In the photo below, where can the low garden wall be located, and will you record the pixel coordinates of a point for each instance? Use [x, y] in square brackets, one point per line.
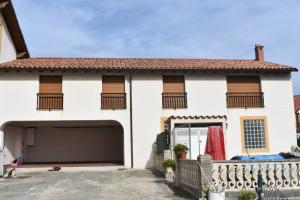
[194, 176]
[199, 176]
[236, 175]
[159, 158]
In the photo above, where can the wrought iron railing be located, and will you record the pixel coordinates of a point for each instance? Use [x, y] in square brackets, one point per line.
[174, 100]
[50, 101]
[245, 99]
[113, 100]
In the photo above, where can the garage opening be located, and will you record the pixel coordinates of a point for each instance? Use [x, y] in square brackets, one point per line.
[64, 142]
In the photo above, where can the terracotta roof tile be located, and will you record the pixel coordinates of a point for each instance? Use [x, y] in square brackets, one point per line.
[198, 117]
[297, 102]
[144, 64]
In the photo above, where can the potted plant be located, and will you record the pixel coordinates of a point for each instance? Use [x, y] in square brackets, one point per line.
[247, 195]
[216, 193]
[169, 166]
[181, 151]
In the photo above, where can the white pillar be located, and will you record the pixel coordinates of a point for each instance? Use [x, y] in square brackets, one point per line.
[1, 152]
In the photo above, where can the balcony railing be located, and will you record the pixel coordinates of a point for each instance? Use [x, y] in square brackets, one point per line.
[174, 100]
[243, 100]
[113, 100]
[50, 101]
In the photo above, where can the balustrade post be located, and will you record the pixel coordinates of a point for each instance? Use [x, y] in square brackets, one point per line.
[177, 172]
[205, 172]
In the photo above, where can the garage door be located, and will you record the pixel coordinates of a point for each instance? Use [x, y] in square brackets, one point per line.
[69, 144]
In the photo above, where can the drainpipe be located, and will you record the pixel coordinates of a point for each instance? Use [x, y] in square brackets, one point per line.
[1, 152]
[130, 110]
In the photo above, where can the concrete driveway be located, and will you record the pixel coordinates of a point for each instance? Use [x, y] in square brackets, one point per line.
[76, 185]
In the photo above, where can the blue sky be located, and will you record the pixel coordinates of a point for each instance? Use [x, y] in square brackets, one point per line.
[163, 28]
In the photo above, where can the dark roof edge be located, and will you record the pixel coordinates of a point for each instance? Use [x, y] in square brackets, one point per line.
[13, 26]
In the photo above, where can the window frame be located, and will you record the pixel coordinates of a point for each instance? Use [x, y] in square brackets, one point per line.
[256, 150]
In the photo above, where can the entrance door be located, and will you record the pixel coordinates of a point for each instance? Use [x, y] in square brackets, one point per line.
[194, 138]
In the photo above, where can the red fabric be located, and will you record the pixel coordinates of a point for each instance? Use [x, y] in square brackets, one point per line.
[215, 143]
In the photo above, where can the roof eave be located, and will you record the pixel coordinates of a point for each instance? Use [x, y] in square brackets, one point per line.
[13, 26]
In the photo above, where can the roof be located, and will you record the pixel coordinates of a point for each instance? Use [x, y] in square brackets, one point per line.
[14, 29]
[297, 102]
[145, 64]
[198, 117]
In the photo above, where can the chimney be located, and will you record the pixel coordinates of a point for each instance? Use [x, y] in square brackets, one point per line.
[259, 52]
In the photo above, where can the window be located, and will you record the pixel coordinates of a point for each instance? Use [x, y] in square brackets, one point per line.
[113, 94]
[254, 134]
[174, 95]
[50, 94]
[244, 91]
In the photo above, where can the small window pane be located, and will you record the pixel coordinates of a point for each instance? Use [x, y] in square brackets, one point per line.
[254, 134]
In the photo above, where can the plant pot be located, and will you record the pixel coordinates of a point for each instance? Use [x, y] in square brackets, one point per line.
[216, 195]
[182, 155]
[169, 174]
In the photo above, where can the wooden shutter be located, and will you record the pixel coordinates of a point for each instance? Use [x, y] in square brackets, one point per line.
[244, 84]
[113, 84]
[173, 84]
[50, 84]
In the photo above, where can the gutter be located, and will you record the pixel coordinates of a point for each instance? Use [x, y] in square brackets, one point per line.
[131, 126]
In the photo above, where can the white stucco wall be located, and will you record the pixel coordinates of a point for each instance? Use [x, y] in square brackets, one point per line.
[81, 101]
[206, 95]
[7, 48]
[13, 143]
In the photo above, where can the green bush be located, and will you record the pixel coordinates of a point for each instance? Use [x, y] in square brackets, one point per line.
[169, 163]
[247, 195]
[180, 148]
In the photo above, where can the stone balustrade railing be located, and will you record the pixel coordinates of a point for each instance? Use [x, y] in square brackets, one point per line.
[236, 175]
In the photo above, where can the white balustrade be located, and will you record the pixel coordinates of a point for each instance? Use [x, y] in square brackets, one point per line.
[236, 175]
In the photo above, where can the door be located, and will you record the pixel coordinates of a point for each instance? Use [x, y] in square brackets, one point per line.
[193, 138]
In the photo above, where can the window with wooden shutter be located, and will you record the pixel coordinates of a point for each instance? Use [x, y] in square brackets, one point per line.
[113, 84]
[174, 95]
[173, 84]
[113, 92]
[50, 94]
[244, 91]
[50, 84]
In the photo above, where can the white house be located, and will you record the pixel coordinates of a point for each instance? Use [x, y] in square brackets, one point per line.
[110, 110]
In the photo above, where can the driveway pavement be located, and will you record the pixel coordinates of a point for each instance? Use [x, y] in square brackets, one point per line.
[87, 185]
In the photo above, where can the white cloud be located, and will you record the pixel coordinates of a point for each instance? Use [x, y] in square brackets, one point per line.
[162, 28]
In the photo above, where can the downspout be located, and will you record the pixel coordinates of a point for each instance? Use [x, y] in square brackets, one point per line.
[1, 152]
[130, 110]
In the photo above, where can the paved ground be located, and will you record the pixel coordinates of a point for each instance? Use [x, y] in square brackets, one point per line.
[87, 185]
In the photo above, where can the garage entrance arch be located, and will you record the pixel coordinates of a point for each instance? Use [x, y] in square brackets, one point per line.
[38, 142]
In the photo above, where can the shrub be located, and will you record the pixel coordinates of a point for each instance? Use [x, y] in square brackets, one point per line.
[180, 148]
[169, 163]
[247, 195]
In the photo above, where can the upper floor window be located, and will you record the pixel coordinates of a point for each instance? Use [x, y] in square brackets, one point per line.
[113, 94]
[254, 134]
[174, 95]
[50, 94]
[244, 91]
